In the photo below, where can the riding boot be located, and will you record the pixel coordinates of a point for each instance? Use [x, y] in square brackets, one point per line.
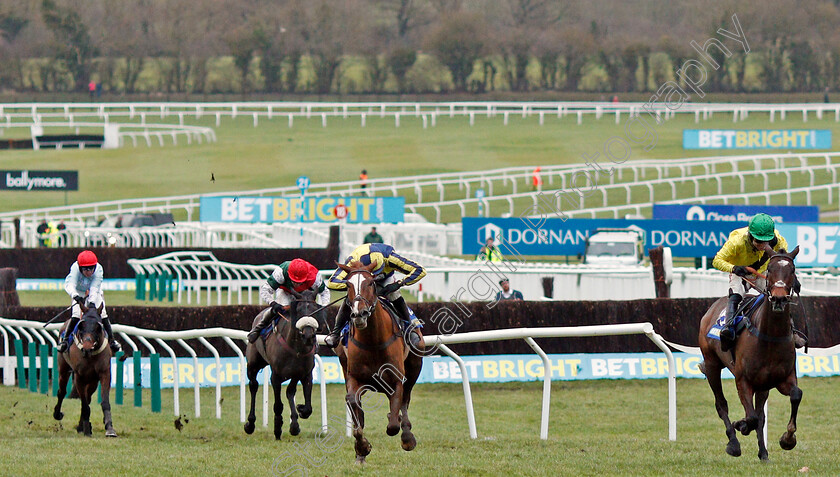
[402, 307]
[727, 334]
[63, 344]
[265, 321]
[115, 346]
[341, 319]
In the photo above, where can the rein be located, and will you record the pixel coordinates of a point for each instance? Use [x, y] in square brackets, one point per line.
[750, 325]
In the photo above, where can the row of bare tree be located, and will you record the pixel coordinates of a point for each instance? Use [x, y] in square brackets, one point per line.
[279, 46]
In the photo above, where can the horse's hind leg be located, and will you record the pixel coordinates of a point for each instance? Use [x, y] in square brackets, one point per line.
[788, 439]
[253, 386]
[746, 393]
[63, 377]
[105, 384]
[291, 389]
[733, 447]
[760, 399]
[409, 442]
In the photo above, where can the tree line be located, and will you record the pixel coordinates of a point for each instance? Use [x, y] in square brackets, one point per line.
[409, 46]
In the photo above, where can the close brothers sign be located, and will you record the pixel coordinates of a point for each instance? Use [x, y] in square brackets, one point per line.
[27, 180]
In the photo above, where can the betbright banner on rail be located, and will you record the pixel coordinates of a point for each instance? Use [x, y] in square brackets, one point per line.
[302, 209]
[493, 368]
[757, 139]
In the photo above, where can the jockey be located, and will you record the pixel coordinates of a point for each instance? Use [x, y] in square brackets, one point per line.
[746, 247]
[297, 275]
[84, 285]
[387, 261]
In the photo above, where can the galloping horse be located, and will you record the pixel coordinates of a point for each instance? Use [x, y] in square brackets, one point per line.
[763, 358]
[376, 358]
[89, 358]
[290, 350]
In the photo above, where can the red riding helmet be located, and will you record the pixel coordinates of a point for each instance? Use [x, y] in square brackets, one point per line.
[86, 259]
[299, 270]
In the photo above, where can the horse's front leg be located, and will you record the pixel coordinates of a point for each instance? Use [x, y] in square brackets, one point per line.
[305, 410]
[395, 400]
[760, 399]
[276, 384]
[253, 387]
[733, 447]
[291, 389]
[105, 385]
[788, 439]
[85, 393]
[353, 399]
[746, 393]
[63, 377]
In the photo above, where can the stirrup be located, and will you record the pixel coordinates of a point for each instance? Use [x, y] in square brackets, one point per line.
[115, 346]
[62, 346]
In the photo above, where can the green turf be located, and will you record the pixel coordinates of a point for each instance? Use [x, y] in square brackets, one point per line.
[273, 155]
[596, 428]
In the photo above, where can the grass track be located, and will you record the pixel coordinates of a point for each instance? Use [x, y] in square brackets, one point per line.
[597, 428]
[273, 155]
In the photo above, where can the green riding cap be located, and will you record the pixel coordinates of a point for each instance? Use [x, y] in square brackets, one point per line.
[762, 227]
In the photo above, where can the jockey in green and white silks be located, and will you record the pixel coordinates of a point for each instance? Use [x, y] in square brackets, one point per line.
[297, 275]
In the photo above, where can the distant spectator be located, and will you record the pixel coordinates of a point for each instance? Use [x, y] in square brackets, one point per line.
[62, 234]
[489, 252]
[363, 181]
[506, 293]
[43, 233]
[92, 89]
[825, 98]
[53, 234]
[536, 179]
[615, 98]
[373, 237]
[98, 90]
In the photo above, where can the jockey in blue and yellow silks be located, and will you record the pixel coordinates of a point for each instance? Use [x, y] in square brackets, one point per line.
[387, 262]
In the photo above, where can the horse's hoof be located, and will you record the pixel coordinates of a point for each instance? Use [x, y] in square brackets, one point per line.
[360, 460]
[303, 411]
[110, 433]
[58, 415]
[742, 427]
[408, 441]
[277, 436]
[392, 430]
[294, 429]
[249, 428]
[789, 443]
[764, 456]
[734, 448]
[362, 448]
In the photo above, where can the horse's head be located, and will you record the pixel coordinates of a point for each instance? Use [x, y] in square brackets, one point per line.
[781, 276]
[302, 309]
[361, 292]
[90, 335]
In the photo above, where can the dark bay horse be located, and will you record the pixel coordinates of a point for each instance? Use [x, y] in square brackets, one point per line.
[290, 350]
[764, 358]
[89, 359]
[376, 358]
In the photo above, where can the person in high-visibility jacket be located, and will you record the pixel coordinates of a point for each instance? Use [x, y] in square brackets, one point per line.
[746, 247]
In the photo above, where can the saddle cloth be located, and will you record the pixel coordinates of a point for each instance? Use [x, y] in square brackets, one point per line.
[745, 310]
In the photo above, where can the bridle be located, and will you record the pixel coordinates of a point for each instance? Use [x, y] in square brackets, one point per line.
[368, 306]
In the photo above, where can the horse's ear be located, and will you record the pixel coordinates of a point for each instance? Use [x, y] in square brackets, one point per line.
[370, 268]
[344, 267]
[794, 252]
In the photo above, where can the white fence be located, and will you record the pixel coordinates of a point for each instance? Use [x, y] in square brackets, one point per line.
[32, 331]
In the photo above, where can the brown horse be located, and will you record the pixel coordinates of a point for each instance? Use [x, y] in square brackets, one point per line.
[376, 358]
[89, 358]
[290, 350]
[763, 358]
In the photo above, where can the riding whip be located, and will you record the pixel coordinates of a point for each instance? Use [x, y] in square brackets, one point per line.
[56, 317]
